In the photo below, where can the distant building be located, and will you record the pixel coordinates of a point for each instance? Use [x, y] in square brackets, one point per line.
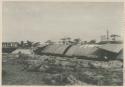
[9, 44]
[111, 40]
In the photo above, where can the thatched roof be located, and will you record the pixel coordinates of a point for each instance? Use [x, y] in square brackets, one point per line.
[84, 50]
[114, 48]
[41, 45]
[120, 55]
[55, 49]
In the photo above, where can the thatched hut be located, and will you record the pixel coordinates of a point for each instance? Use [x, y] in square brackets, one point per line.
[110, 51]
[55, 49]
[120, 55]
[83, 51]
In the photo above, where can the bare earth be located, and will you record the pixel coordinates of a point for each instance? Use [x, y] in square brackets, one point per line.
[75, 73]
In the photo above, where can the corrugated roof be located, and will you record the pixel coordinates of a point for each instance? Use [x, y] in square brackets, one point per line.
[115, 48]
[55, 49]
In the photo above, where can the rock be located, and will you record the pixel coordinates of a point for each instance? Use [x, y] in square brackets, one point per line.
[43, 68]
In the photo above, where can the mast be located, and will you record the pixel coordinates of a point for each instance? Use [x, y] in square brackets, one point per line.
[107, 35]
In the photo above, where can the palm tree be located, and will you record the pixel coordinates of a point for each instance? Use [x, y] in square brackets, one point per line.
[77, 41]
[29, 44]
[66, 40]
[63, 40]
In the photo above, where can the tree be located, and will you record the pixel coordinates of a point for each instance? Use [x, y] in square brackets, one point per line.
[21, 44]
[83, 42]
[92, 42]
[63, 40]
[77, 41]
[66, 40]
[36, 44]
[49, 42]
[29, 44]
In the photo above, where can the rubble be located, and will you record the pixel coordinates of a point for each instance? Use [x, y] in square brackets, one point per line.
[72, 71]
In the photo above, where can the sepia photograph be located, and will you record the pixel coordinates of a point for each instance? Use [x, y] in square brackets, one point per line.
[59, 43]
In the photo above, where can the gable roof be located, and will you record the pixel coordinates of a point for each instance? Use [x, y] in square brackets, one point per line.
[55, 49]
[83, 50]
[120, 55]
[115, 48]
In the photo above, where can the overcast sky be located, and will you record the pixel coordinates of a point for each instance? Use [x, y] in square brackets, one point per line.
[40, 21]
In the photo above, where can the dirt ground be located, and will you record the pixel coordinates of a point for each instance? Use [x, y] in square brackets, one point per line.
[13, 73]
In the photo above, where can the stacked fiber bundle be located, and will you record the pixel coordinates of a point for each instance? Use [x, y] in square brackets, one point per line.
[58, 49]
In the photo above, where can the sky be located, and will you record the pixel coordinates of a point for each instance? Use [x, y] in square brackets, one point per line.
[42, 21]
